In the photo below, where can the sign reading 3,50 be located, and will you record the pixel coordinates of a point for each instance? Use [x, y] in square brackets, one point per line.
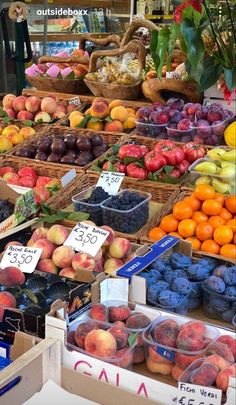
[23, 257]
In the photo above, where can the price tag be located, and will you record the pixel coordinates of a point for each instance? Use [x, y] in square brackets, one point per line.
[75, 101]
[110, 182]
[25, 258]
[86, 238]
[191, 394]
[68, 177]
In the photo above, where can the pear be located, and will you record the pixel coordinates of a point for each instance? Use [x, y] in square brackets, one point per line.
[221, 187]
[215, 154]
[229, 156]
[203, 180]
[228, 173]
[206, 167]
[227, 164]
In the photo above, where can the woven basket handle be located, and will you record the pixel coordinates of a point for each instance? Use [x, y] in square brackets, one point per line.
[134, 46]
[70, 59]
[110, 39]
[134, 26]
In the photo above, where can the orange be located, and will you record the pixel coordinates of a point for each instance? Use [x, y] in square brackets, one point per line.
[199, 216]
[187, 228]
[223, 234]
[235, 238]
[228, 250]
[210, 246]
[211, 207]
[204, 192]
[232, 224]
[182, 210]
[204, 231]
[169, 223]
[194, 202]
[156, 233]
[216, 221]
[220, 197]
[196, 244]
[176, 235]
[226, 214]
[230, 203]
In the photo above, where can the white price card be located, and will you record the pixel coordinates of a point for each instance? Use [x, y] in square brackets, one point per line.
[68, 177]
[191, 394]
[86, 238]
[75, 101]
[110, 182]
[23, 257]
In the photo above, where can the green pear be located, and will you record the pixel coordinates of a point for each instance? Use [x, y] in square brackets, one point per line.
[221, 187]
[215, 154]
[229, 156]
[228, 172]
[227, 164]
[203, 180]
[206, 167]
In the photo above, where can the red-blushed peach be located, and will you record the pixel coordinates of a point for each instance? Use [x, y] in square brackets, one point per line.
[114, 126]
[62, 256]
[110, 237]
[81, 332]
[190, 340]
[10, 276]
[83, 261]
[67, 272]
[30, 243]
[48, 105]
[7, 101]
[25, 115]
[13, 243]
[206, 341]
[7, 300]
[119, 323]
[120, 335]
[154, 356]
[139, 355]
[57, 234]
[100, 343]
[222, 379]
[176, 372]
[33, 104]
[204, 375]
[120, 313]
[184, 360]
[47, 246]
[126, 358]
[48, 266]
[99, 312]
[218, 361]
[120, 248]
[98, 255]
[198, 326]
[111, 265]
[166, 332]
[99, 109]
[228, 341]
[159, 368]
[221, 349]
[88, 222]
[138, 321]
[101, 100]
[18, 103]
[39, 233]
[98, 266]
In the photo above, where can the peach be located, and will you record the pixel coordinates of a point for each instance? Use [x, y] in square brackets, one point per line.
[30, 243]
[158, 368]
[41, 194]
[16, 139]
[5, 144]
[76, 120]
[98, 266]
[130, 123]
[100, 100]
[139, 355]
[10, 130]
[7, 101]
[61, 108]
[114, 126]
[206, 341]
[130, 257]
[98, 255]
[71, 107]
[24, 115]
[116, 103]
[10, 112]
[157, 357]
[10, 177]
[198, 326]
[48, 105]
[81, 332]
[13, 243]
[222, 350]
[119, 113]
[184, 360]
[57, 115]
[100, 343]
[10, 276]
[230, 342]
[54, 97]
[120, 313]
[47, 266]
[218, 361]
[62, 256]
[95, 125]
[18, 103]
[119, 323]
[176, 372]
[89, 223]
[33, 104]
[42, 117]
[120, 335]
[99, 312]
[190, 340]
[47, 246]
[26, 132]
[83, 261]
[120, 248]
[7, 300]
[166, 332]
[131, 111]
[110, 237]
[39, 233]
[126, 358]
[99, 109]
[57, 234]
[222, 379]
[138, 321]
[67, 272]
[204, 375]
[88, 111]
[111, 265]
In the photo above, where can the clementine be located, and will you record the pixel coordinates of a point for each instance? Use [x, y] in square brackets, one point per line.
[199, 216]
[223, 234]
[176, 235]
[210, 246]
[157, 233]
[211, 207]
[194, 202]
[182, 210]
[204, 192]
[228, 250]
[232, 224]
[187, 228]
[216, 221]
[169, 223]
[220, 197]
[226, 214]
[230, 203]
[204, 231]
[196, 244]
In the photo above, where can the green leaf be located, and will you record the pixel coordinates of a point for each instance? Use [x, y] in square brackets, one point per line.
[84, 122]
[71, 76]
[154, 41]
[6, 120]
[195, 44]
[28, 123]
[168, 169]
[211, 73]
[162, 46]
[59, 76]
[93, 119]
[30, 295]
[230, 78]
[108, 119]
[140, 164]
[53, 218]
[3, 113]
[129, 159]
[40, 121]
[174, 34]
[115, 148]
[132, 339]
[45, 209]
[187, 13]
[78, 216]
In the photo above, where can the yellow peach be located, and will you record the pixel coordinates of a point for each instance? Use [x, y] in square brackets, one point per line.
[119, 113]
[95, 125]
[26, 132]
[130, 123]
[17, 138]
[116, 103]
[76, 120]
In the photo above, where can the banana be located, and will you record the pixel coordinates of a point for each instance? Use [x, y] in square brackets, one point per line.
[206, 167]
[221, 187]
[229, 156]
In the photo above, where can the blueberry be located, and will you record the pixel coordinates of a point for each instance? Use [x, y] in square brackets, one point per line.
[215, 284]
[180, 261]
[181, 286]
[229, 276]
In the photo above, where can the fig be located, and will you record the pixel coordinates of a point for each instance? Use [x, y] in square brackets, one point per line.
[54, 157]
[70, 141]
[67, 159]
[84, 144]
[99, 150]
[58, 147]
[96, 139]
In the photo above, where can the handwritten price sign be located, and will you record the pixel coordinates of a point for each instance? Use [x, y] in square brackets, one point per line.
[75, 101]
[191, 394]
[110, 182]
[25, 258]
[86, 238]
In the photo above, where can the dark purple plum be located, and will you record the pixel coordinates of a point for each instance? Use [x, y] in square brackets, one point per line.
[70, 141]
[54, 157]
[40, 155]
[96, 139]
[84, 144]
[58, 147]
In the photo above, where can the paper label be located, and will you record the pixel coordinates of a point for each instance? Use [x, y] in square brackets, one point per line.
[110, 182]
[86, 238]
[114, 289]
[75, 101]
[68, 177]
[23, 257]
[190, 394]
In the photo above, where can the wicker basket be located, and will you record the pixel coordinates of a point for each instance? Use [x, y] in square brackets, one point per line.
[76, 86]
[118, 91]
[160, 195]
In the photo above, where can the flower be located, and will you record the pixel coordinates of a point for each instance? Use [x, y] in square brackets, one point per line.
[228, 95]
[178, 13]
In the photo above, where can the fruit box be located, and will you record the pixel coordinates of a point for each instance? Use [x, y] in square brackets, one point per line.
[24, 207]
